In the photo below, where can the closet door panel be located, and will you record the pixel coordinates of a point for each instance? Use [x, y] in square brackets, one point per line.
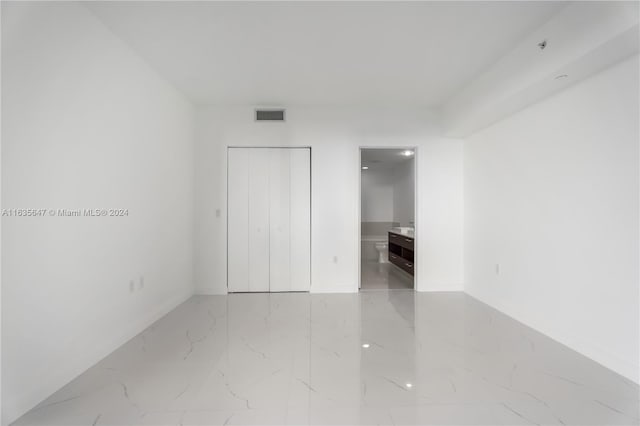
[300, 205]
[279, 210]
[258, 255]
[238, 219]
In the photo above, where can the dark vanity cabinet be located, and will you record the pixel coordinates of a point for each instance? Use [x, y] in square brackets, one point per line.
[401, 251]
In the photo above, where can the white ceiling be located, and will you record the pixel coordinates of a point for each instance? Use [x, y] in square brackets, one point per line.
[322, 53]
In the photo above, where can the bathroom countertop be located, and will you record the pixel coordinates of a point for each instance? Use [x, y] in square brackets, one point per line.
[408, 234]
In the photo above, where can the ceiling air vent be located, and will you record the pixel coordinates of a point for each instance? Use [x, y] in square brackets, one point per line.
[269, 114]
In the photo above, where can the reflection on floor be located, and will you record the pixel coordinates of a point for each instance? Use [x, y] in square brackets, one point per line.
[375, 275]
[378, 357]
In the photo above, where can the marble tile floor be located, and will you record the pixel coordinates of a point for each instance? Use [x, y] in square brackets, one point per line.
[383, 276]
[373, 358]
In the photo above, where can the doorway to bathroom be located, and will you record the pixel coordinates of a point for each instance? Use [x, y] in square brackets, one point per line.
[387, 218]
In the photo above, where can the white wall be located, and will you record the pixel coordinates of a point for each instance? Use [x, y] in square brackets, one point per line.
[335, 136]
[86, 124]
[551, 194]
[404, 192]
[377, 195]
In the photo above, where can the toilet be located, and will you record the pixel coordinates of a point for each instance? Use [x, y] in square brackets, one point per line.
[383, 252]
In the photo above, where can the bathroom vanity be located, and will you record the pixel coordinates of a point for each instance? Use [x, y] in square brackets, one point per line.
[401, 248]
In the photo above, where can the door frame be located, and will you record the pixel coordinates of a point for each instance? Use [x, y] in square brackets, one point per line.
[226, 198]
[416, 243]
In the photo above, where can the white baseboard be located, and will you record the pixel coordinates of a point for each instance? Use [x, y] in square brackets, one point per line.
[440, 287]
[328, 290]
[217, 292]
[210, 291]
[17, 405]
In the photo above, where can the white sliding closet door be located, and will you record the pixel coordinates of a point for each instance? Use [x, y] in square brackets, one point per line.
[238, 219]
[300, 222]
[258, 254]
[269, 219]
[280, 220]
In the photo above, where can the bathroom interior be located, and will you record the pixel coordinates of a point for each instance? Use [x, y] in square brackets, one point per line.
[387, 218]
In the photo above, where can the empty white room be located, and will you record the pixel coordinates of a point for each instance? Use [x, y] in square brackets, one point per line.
[320, 213]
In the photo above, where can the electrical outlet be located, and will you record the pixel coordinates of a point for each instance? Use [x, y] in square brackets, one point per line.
[141, 282]
[132, 286]
[335, 259]
[497, 269]
[218, 212]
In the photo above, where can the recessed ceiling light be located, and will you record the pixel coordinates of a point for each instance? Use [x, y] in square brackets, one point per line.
[409, 385]
[407, 153]
[365, 168]
[365, 345]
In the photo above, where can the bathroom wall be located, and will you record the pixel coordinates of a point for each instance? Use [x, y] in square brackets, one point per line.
[387, 197]
[377, 207]
[377, 195]
[404, 193]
